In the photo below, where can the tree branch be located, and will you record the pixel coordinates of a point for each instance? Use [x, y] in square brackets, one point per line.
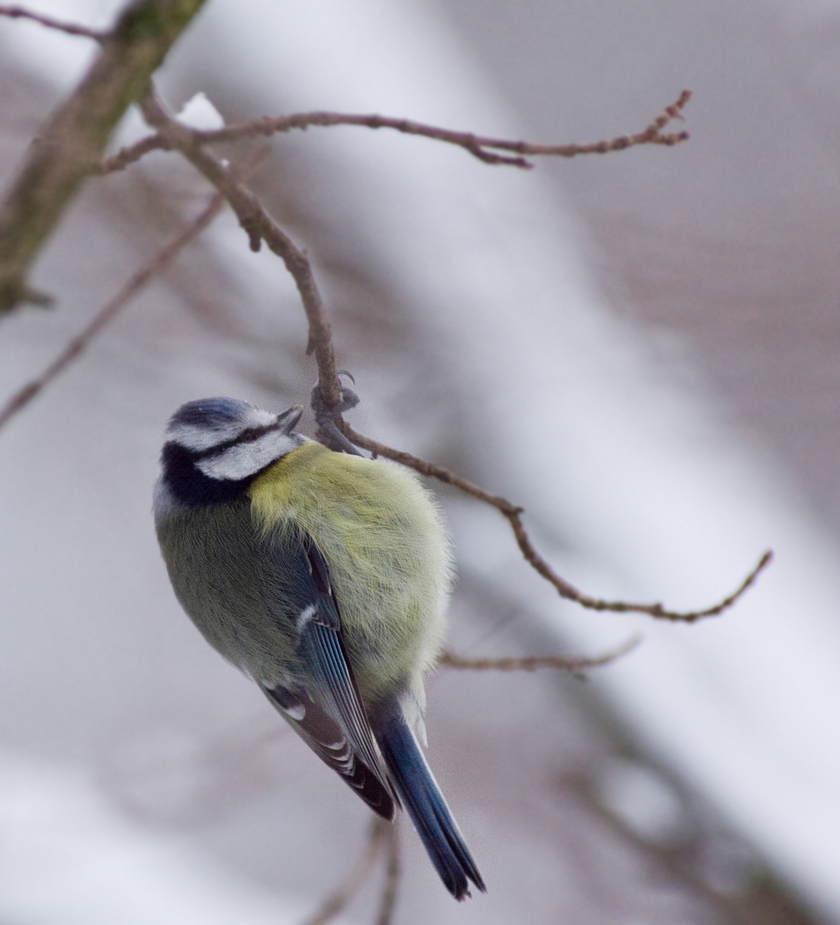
[393, 871]
[338, 901]
[484, 148]
[74, 137]
[18, 12]
[259, 226]
[577, 666]
[513, 514]
[105, 315]
[173, 135]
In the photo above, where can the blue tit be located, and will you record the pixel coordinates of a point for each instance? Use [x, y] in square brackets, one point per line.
[324, 577]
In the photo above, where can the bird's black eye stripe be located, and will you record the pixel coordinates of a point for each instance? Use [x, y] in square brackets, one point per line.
[250, 435]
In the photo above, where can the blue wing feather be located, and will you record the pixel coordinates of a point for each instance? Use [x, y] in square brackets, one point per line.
[327, 712]
[337, 692]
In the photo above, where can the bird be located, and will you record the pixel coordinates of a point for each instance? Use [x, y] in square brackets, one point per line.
[324, 577]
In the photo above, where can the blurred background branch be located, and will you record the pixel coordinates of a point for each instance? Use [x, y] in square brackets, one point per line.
[76, 134]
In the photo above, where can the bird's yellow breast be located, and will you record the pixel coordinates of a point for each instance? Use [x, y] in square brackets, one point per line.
[385, 546]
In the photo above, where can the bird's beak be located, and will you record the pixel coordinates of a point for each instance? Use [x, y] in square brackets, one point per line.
[287, 420]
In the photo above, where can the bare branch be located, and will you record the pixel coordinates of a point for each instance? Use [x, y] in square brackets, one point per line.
[513, 513]
[125, 157]
[479, 146]
[18, 12]
[338, 901]
[592, 603]
[74, 137]
[81, 341]
[577, 666]
[388, 900]
[484, 148]
[259, 226]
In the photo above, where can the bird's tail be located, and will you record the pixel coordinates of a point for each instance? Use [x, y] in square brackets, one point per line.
[421, 797]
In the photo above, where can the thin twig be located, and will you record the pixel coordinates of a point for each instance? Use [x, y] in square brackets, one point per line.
[343, 895]
[259, 226]
[577, 666]
[18, 12]
[388, 899]
[129, 155]
[482, 147]
[676, 858]
[513, 514]
[108, 312]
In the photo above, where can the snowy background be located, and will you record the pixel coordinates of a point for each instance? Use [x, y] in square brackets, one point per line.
[641, 349]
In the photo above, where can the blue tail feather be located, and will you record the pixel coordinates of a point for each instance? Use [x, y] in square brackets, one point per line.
[422, 799]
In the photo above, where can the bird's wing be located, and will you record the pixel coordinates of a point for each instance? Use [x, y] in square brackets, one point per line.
[329, 742]
[329, 715]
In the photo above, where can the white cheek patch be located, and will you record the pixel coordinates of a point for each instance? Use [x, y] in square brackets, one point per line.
[244, 459]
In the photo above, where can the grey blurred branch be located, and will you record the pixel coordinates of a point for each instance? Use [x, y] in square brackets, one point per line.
[382, 836]
[338, 901]
[19, 12]
[575, 666]
[75, 135]
[108, 312]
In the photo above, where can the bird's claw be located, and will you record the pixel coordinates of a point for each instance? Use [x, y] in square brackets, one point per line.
[326, 417]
